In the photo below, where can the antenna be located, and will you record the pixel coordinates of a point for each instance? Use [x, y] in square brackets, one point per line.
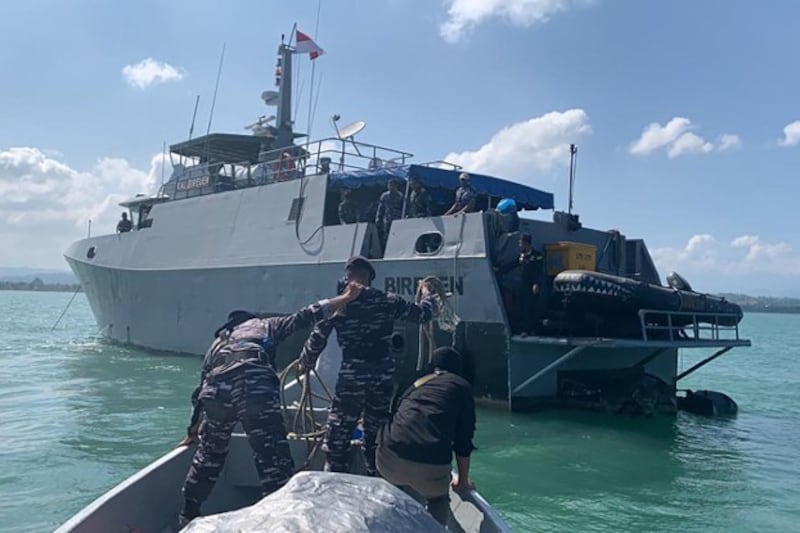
[163, 162]
[316, 99]
[313, 69]
[573, 163]
[216, 86]
[194, 116]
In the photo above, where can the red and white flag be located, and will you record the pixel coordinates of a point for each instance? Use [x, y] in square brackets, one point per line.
[306, 45]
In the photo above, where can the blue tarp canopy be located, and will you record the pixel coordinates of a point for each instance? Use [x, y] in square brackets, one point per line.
[438, 178]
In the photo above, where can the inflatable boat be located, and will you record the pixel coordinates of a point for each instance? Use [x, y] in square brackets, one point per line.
[609, 299]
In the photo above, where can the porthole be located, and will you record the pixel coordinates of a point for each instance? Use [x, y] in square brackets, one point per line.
[90, 253]
[429, 243]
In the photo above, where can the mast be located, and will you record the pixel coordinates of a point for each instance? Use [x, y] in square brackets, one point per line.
[573, 160]
[283, 79]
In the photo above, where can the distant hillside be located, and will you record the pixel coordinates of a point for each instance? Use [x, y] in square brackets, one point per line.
[764, 304]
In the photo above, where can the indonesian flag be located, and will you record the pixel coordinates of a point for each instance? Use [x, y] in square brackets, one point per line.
[306, 45]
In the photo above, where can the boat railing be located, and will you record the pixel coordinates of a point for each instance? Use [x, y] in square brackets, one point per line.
[344, 155]
[692, 326]
[332, 154]
[441, 163]
[194, 178]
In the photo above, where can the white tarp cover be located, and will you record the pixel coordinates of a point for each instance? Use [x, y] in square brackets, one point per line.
[326, 502]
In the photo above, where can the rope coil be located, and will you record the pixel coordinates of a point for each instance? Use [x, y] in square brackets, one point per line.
[303, 425]
[446, 319]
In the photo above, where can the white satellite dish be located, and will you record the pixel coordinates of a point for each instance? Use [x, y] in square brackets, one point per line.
[351, 129]
[271, 97]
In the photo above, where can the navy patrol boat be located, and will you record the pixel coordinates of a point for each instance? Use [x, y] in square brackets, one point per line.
[250, 222]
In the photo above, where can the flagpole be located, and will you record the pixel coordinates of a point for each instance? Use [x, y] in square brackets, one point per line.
[313, 69]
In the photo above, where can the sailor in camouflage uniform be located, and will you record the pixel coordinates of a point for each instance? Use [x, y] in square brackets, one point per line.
[466, 196]
[238, 384]
[419, 201]
[365, 385]
[390, 208]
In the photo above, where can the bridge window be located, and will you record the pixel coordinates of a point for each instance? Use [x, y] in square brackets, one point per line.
[429, 243]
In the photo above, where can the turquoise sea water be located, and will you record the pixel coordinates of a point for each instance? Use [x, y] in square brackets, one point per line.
[78, 415]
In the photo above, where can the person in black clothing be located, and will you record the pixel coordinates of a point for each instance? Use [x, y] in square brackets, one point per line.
[124, 225]
[434, 418]
[531, 264]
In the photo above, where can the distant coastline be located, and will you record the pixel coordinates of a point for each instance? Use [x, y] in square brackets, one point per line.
[749, 304]
[764, 304]
[37, 285]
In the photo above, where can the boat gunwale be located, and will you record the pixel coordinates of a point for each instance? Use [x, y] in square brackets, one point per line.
[119, 488]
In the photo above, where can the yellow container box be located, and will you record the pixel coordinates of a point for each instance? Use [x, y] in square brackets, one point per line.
[562, 256]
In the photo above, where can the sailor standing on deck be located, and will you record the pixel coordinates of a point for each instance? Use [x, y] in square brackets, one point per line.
[419, 201]
[238, 384]
[466, 196]
[390, 208]
[528, 303]
[124, 225]
[365, 384]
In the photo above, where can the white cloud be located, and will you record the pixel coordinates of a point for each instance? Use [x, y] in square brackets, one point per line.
[678, 139]
[463, 15]
[655, 135]
[537, 143]
[728, 141]
[791, 134]
[758, 251]
[744, 241]
[689, 143]
[745, 255]
[149, 72]
[45, 204]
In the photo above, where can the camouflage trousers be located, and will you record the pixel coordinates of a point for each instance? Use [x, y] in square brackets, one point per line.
[250, 395]
[364, 388]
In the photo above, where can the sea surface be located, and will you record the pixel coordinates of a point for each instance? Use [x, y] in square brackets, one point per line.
[78, 415]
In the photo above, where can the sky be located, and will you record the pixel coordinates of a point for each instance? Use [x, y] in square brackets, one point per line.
[685, 113]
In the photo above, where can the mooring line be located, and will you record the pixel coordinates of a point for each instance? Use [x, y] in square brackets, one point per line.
[74, 294]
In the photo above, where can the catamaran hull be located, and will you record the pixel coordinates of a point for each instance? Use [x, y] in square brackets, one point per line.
[177, 311]
[168, 286]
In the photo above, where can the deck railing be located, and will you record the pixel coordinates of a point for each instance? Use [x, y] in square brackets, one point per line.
[284, 164]
[700, 326]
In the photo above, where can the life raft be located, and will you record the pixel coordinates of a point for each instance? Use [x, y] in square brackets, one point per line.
[598, 293]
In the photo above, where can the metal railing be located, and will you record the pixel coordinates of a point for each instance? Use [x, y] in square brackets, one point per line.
[342, 155]
[709, 328]
[283, 164]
